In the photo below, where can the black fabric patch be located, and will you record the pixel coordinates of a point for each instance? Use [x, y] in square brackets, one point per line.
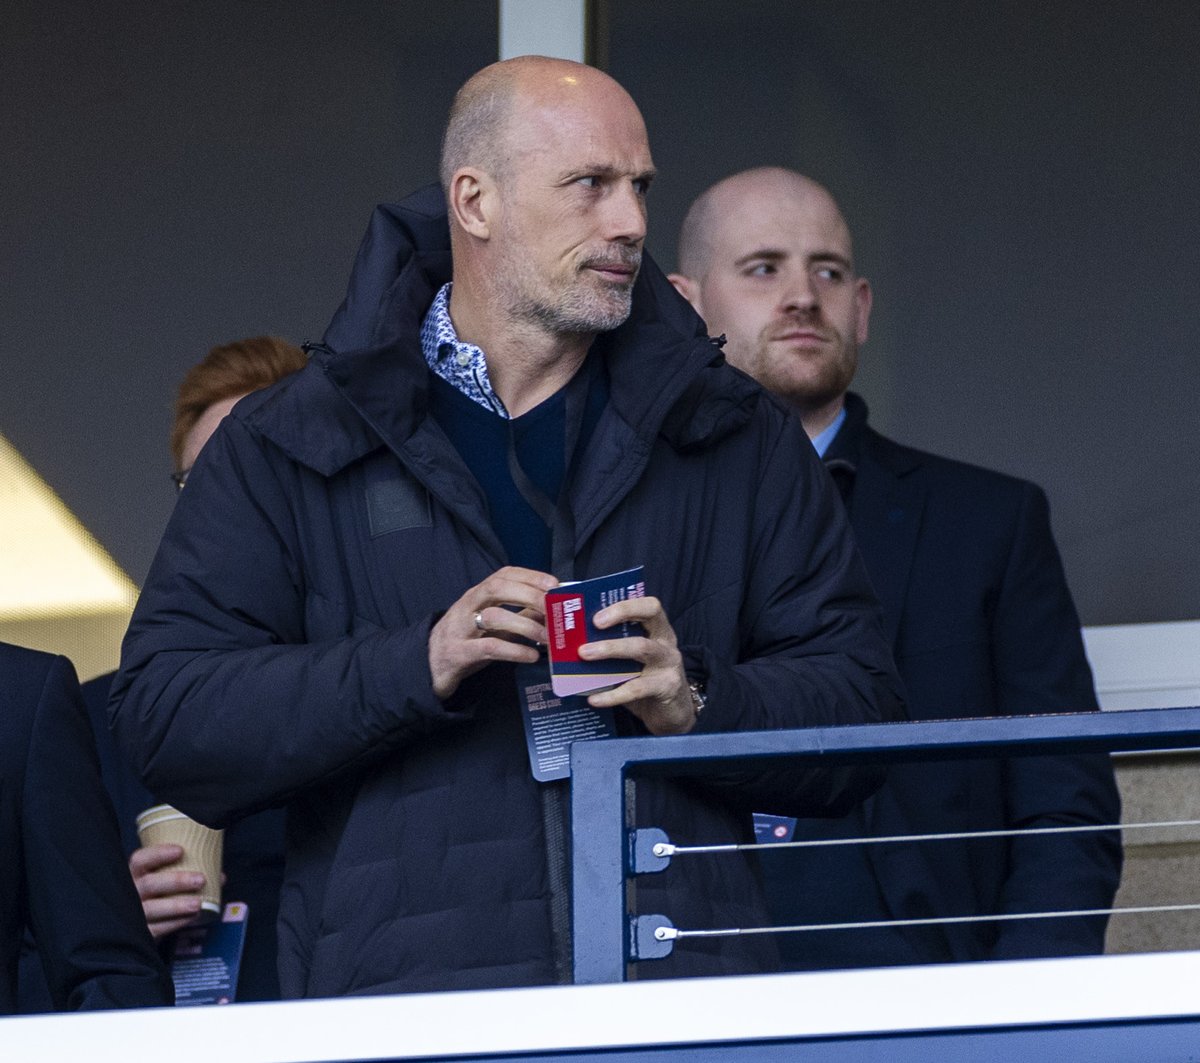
[396, 503]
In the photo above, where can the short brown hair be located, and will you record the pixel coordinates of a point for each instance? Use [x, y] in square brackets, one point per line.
[232, 369]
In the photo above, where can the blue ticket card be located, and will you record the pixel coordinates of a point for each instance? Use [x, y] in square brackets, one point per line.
[768, 829]
[205, 959]
[553, 723]
[570, 608]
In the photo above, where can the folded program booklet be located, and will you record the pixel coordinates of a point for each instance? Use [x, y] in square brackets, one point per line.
[570, 608]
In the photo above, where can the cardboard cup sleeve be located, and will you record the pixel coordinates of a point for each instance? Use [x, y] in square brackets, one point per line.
[202, 850]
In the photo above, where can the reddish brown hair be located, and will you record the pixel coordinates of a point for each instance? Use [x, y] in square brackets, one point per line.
[232, 369]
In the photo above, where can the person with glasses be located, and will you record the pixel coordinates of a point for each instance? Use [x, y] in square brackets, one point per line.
[216, 384]
[253, 846]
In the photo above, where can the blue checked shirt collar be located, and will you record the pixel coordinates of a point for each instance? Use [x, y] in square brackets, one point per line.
[461, 365]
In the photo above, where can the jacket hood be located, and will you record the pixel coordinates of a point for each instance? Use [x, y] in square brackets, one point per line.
[666, 375]
[394, 234]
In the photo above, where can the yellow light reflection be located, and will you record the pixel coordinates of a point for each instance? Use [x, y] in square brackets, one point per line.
[59, 589]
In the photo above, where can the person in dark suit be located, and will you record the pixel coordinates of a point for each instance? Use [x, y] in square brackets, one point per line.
[976, 607]
[62, 874]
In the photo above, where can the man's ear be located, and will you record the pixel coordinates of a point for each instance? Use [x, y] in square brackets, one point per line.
[862, 307]
[688, 288]
[470, 201]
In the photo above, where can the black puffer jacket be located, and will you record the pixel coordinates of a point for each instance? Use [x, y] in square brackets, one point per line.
[279, 652]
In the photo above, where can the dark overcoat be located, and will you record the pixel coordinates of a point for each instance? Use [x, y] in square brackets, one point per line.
[982, 623]
[62, 871]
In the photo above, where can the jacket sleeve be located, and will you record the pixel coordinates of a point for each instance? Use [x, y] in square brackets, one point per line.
[83, 909]
[221, 703]
[1040, 666]
[813, 650]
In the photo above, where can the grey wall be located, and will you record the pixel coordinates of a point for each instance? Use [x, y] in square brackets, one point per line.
[1021, 177]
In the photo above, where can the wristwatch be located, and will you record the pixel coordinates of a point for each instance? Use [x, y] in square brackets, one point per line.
[699, 695]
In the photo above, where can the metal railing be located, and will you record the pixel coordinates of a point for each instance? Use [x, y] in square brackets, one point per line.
[1113, 1009]
[607, 850]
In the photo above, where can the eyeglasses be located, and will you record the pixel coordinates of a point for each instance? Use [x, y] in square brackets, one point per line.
[179, 479]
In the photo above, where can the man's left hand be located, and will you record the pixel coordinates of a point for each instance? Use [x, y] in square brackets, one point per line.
[659, 697]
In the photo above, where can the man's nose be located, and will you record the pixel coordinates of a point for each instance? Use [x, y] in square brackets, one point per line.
[799, 294]
[626, 215]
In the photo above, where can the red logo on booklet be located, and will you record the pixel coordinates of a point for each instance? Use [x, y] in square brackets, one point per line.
[568, 624]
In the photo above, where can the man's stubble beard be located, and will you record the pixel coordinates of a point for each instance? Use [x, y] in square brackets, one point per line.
[589, 305]
[581, 311]
[829, 377]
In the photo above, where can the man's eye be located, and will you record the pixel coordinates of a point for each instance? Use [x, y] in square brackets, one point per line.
[831, 274]
[589, 182]
[641, 185]
[761, 269]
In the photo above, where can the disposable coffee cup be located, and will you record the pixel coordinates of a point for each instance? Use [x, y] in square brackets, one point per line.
[202, 848]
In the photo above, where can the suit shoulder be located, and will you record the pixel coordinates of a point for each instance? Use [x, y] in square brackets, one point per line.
[26, 672]
[950, 474]
[20, 657]
[27, 677]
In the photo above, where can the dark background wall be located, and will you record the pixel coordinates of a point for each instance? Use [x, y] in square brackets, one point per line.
[1023, 184]
[1021, 178]
[180, 173]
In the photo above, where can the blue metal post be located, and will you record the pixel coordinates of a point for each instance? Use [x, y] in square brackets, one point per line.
[598, 863]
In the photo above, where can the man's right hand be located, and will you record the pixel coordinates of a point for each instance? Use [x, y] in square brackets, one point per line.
[170, 899]
[477, 629]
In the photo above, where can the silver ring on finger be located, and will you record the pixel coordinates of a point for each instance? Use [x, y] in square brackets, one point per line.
[480, 626]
